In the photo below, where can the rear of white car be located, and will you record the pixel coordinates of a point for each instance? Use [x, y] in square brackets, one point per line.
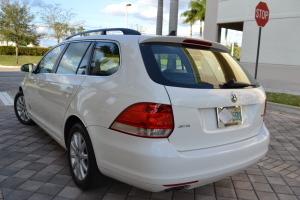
[153, 112]
[206, 128]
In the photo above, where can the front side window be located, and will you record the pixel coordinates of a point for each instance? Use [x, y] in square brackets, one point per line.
[72, 58]
[106, 59]
[193, 67]
[47, 63]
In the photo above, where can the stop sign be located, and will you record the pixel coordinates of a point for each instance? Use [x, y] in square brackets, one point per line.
[262, 14]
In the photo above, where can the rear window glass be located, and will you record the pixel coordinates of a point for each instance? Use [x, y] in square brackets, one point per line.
[193, 67]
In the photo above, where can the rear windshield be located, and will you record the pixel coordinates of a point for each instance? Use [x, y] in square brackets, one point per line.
[194, 67]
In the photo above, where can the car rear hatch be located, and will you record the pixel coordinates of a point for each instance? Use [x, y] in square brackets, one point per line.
[214, 100]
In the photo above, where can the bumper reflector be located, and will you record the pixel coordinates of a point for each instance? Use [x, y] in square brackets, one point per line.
[179, 184]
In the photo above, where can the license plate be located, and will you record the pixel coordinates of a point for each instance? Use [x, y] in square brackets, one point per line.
[229, 116]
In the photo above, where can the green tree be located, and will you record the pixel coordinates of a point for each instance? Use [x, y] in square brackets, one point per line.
[199, 7]
[189, 18]
[80, 29]
[236, 50]
[58, 21]
[16, 24]
[73, 30]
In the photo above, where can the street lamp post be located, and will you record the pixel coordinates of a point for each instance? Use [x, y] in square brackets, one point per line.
[127, 5]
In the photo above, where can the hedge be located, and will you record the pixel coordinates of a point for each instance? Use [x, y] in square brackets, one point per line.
[23, 51]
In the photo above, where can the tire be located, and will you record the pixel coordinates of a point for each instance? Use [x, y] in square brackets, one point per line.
[21, 109]
[82, 161]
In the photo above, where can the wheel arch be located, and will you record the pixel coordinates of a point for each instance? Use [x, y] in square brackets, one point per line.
[73, 119]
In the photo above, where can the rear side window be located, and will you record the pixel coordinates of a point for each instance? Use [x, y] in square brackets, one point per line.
[72, 58]
[193, 67]
[85, 61]
[106, 59]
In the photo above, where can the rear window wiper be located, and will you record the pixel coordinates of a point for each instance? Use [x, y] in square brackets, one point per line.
[232, 84]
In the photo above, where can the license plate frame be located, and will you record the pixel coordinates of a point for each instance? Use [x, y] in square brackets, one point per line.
[224, 113]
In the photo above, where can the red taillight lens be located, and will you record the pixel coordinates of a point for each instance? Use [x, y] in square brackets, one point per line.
[145, 120]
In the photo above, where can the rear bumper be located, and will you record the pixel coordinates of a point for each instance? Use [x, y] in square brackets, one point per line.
[150, 164]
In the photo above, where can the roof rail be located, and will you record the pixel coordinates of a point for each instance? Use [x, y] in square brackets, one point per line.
[126, 31]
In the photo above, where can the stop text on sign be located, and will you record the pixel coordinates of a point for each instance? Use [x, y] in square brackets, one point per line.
[263, 14]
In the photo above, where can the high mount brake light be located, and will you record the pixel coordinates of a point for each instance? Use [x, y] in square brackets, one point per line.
[150, 120]
[197, 42]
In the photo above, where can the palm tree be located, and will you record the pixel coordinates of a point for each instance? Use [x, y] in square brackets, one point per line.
[199, 7]
[189, 18]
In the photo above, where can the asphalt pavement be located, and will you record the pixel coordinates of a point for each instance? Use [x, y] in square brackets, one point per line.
[34, 166]
[10, 78]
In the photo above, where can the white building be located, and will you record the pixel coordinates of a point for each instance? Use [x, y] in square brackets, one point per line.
[279, 59]
[4, 43]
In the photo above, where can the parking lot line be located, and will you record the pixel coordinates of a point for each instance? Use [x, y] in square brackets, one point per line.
[6, 99]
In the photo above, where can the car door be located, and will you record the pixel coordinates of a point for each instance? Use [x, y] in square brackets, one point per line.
[61, 86]
[35, 83]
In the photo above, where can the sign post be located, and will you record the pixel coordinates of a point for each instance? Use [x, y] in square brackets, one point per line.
[262, 17]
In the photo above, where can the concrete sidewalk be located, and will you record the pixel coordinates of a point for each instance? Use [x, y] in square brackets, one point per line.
[9, 68]
[34, 166]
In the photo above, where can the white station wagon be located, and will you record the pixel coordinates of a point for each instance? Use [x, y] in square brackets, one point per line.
[156, 112]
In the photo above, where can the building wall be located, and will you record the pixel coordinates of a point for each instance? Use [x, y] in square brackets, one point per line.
[279, 59]
[3, 43]
[211, 27]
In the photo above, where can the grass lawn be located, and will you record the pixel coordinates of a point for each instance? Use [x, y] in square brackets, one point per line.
[287, 99]
[7, 60]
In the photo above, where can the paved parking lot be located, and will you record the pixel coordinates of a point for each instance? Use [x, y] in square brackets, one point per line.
[34, 166]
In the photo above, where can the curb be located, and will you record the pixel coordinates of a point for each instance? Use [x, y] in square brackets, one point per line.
[283, 108]
[2, 66]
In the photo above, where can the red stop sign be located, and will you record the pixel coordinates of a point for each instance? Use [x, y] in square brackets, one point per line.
[262, 14]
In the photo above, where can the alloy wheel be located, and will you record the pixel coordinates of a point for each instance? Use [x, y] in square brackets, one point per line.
[79, 156]
[22, 110]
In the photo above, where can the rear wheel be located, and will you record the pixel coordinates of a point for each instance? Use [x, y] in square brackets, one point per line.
[21, 109]
[82, 161]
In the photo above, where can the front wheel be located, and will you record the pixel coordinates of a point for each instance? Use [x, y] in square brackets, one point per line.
[82, 161]
[21, 109]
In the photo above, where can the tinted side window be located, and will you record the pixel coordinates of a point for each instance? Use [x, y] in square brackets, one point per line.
[47, 63]
[72, 58]
[106, 59]
[84, 63]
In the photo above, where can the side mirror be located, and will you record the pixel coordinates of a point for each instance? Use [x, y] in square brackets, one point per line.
[27, 67]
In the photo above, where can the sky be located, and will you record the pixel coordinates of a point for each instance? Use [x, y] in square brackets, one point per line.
[111, 14]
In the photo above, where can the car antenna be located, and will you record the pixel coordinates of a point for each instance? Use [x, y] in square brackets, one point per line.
[172, 33]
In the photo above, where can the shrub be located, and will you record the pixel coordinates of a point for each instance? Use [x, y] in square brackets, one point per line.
[23, 51]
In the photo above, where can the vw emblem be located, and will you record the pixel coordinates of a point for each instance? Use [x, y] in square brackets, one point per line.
[233, 97]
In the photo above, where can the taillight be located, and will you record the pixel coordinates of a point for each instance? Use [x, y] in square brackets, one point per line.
[265, 111]
[145, 120]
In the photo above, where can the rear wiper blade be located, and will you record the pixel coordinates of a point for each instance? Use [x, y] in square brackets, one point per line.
[232, 84]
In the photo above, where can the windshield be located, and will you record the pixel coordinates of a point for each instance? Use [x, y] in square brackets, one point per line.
[193, 66]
